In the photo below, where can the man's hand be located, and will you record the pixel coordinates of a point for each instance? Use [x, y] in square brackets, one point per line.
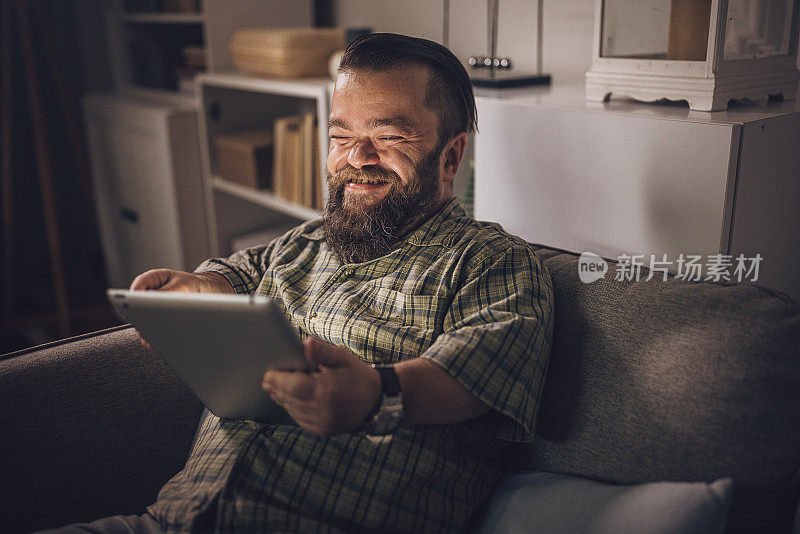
[171, 280]
[339, 398]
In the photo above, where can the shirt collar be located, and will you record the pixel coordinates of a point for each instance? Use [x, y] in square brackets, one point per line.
[432, 231]
[317, 234]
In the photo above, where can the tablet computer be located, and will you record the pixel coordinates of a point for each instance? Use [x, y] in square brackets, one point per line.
[220, 345]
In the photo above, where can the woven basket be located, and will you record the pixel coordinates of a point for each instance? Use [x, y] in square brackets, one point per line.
[285, 53]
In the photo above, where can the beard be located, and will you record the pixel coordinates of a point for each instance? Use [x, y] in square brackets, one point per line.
[358, 232]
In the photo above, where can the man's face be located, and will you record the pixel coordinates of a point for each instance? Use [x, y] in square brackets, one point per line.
[379, 121]
[384, 168]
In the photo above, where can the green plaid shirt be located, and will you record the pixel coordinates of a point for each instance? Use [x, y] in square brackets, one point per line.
[462, 293]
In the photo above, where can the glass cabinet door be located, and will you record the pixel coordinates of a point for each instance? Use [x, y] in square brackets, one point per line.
[655, 29]
[758, 29]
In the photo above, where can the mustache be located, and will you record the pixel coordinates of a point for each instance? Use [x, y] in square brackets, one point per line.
[366, 174]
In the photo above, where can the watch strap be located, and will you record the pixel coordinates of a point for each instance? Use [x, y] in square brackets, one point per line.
[389, 415]
[390, 384]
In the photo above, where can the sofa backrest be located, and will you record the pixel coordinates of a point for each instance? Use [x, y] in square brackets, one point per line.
[674, 380]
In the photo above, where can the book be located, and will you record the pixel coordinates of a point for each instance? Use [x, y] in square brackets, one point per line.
[287, 157]
[296, 170]
[310, 157]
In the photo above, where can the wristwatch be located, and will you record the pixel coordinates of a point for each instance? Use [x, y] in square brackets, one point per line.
[389, 415]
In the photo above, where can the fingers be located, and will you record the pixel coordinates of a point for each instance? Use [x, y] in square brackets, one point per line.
[290, 384]
[144, 342]
[306, 411]
[338, 398]
[150, 280]
[294, 392]
[172, 280]
[182, 281]
[323, 354]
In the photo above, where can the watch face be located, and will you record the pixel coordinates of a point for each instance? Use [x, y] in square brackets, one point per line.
[388, 418]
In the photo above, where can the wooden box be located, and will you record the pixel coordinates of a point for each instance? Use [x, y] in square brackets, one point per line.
[245, 158]
[286, 53]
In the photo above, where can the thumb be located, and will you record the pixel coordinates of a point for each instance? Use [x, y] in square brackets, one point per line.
[324, 354]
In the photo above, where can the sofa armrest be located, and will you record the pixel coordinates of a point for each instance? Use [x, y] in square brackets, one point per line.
[91, 426]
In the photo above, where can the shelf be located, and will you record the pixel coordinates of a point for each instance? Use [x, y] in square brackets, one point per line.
[162, 18]
[232, 102]
[179, 99]
[302, 88]
[265, 199]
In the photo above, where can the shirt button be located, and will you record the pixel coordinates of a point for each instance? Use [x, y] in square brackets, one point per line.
[312, 317]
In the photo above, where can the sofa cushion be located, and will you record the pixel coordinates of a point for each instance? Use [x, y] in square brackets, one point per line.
[549, 503]
[673, 380]
[91, 427]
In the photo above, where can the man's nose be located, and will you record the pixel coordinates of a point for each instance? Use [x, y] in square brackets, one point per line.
[362, 153]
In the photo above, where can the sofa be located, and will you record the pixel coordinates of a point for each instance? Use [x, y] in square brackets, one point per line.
[649, 382]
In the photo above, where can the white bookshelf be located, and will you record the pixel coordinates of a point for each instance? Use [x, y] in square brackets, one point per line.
[144, 139]
[231, 103]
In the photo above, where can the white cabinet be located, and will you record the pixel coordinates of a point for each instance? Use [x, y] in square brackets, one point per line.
[640, 179]
[148, 185]
[143, 138]
[234, 103]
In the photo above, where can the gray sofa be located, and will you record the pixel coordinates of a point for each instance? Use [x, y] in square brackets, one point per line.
[648, 381]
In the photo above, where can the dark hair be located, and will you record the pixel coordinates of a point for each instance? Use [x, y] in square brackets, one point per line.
[449, 92]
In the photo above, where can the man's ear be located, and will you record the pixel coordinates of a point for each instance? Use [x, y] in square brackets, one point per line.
[452, 154]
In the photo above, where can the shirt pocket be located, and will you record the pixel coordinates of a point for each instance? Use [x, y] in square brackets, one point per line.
[391, 325]
[401, 308]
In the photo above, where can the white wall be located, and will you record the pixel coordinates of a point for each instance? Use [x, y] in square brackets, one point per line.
[568, 29]
[567, 35]
[420, 18]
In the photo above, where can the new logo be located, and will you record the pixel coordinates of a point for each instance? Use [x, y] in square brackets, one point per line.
[591, 267]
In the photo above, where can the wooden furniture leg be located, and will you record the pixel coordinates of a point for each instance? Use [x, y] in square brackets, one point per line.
[45, 170]
[6, 153]
[66, 105]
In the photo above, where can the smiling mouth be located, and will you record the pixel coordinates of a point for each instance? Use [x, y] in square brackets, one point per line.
[365, 185]
[367, 181]
[363, 179]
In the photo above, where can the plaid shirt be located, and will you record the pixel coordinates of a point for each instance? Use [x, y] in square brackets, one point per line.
[462, 293]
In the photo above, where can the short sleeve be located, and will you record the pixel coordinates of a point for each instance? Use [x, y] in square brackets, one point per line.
[246, 268]
[497, 337]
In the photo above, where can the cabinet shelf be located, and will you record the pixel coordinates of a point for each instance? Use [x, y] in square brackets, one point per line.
[265, 199]
[311, 88]
[236, 103]
[147, 47]
[179, 99]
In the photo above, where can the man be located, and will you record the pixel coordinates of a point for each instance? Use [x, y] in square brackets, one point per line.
[456, 314]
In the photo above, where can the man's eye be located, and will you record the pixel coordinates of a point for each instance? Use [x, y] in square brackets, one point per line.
[391, 137]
